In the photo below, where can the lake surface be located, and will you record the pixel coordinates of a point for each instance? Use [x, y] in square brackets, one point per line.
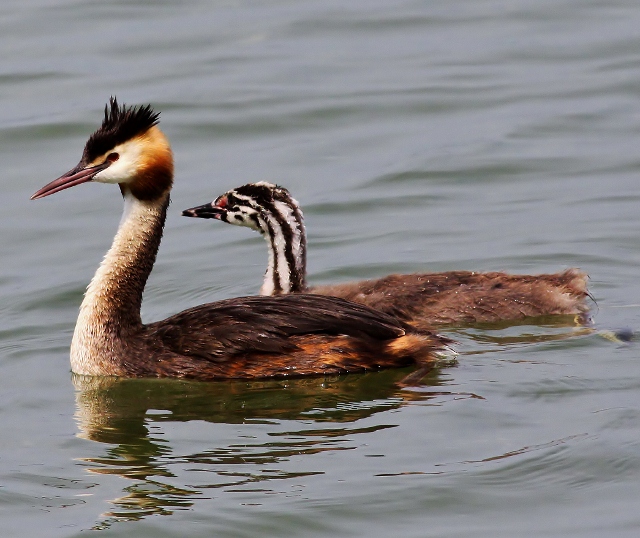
[439, 135]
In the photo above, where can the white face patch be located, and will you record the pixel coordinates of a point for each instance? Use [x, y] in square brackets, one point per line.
[249, 217]
[245, 215]
[127, 165]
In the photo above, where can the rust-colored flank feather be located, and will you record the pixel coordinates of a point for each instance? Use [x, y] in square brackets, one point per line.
[422, 299]
[242, 338]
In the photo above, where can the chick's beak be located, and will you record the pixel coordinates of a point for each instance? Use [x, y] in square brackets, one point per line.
[73, 177]
[207, 211]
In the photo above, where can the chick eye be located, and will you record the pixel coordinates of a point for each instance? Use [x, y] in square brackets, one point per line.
[112, 157]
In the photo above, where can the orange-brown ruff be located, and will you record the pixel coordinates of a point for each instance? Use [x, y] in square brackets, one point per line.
[246, 337]
[422, 299]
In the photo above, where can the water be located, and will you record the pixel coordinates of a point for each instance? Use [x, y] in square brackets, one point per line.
[470, 135]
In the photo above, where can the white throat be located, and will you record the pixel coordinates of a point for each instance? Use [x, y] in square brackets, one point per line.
[111, 304]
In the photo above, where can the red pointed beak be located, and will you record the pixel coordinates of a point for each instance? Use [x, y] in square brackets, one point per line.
[70, 179]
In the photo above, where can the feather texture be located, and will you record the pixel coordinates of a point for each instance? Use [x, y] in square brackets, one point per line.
[422, 299]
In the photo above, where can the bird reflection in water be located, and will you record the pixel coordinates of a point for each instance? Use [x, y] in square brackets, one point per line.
[259, 425]
[303, 416]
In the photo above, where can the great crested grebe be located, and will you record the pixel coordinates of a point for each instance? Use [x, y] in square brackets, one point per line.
[246, 337]
[423, 299]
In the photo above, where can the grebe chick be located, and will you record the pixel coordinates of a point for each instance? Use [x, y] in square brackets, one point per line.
[246, 337]
[423, 299]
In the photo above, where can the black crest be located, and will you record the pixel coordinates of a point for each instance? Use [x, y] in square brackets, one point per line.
[121, 123]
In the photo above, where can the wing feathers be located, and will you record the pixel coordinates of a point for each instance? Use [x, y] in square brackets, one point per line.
[219, 330]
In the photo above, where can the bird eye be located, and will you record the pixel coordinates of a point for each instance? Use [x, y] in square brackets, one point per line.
[221, 202]
[113, 157]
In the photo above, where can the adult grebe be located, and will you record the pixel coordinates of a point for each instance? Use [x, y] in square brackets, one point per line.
[424, 299]
[246, 337]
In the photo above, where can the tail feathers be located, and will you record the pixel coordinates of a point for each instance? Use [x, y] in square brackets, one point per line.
[575, 281]
[427, 350]
[565, 293]
[423, 348]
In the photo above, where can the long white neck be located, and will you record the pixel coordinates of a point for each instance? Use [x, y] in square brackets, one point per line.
[282, 226]
[111, 307]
